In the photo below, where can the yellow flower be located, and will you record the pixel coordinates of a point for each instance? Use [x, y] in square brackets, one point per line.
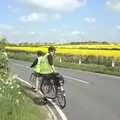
[11, 87]
[17, 101]
[19, 93]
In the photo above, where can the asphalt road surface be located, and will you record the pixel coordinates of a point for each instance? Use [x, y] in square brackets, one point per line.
[90, 96]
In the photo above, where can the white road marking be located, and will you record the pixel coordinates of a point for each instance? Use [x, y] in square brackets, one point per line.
[92, 73]
[82, 81]
[99, 74]
[24, 81]
[51, 112]
[24, 66]
[63, 116]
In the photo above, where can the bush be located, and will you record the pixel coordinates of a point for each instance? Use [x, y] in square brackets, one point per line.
[14, 104]
[11, 95]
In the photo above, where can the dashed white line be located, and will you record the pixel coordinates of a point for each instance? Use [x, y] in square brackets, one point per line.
[99, 74]
[82, 81]
[92, 73]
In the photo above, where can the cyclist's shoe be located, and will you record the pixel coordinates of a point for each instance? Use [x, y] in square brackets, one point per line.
[44, 100]
[33, 87]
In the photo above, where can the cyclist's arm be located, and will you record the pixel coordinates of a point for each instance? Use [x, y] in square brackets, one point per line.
[34, 62]
[50, 61]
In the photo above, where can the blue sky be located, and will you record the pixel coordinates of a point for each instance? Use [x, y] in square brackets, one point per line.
[60, 20]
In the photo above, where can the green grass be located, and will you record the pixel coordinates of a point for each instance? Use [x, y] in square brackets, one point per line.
[15, 103]
[91, 68]
[26, 111]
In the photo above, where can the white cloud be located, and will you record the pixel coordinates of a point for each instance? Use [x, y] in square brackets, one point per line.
[6, 27]
[9, 6]
[42, 33]
[89, 20]
[62, 34]
[13, 10]
[31, 33]
[34, 17]
[16, 33]
[57, 16]
[40, 17]
[82, 33]
[57, 4]
[55, 30]
[118, 26]
[113, 4]
[76, 32]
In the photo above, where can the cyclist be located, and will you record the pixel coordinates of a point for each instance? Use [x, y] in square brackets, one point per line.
[47, 64]
[36, 68]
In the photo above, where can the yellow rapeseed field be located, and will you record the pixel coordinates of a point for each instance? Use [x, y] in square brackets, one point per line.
[95, 46]
[77, 49]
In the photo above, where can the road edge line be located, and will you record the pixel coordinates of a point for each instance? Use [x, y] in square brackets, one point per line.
[82, 81]
[50, 110]
[62, 115]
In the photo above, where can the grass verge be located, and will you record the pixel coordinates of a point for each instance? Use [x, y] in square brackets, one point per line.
[91, 68]
[14, 103]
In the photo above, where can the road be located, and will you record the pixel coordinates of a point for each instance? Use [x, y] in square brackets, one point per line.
[90, 96]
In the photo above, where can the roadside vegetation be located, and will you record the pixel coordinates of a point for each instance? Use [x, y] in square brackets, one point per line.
[14, 104]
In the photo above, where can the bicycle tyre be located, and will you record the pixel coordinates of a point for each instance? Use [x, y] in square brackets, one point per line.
[50, 87]
[63, 103]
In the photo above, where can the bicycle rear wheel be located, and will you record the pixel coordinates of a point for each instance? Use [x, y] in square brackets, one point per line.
[48, 88]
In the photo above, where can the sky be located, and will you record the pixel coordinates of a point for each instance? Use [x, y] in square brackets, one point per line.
[60, 20]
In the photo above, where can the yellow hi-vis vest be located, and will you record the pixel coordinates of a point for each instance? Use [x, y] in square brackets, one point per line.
[37, 66]
[45, 67]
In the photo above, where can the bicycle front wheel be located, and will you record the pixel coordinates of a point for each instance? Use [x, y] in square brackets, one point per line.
[61, 100]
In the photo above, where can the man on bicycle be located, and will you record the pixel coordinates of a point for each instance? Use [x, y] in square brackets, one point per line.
[36, 68]
[47, 65]
[47, 68]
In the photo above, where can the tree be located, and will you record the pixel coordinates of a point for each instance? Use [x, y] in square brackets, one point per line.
[3, 41]
[3, 60]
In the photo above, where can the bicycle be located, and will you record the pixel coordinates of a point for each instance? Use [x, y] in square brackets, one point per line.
[47, 87]
[53, 85]
[61, 96]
